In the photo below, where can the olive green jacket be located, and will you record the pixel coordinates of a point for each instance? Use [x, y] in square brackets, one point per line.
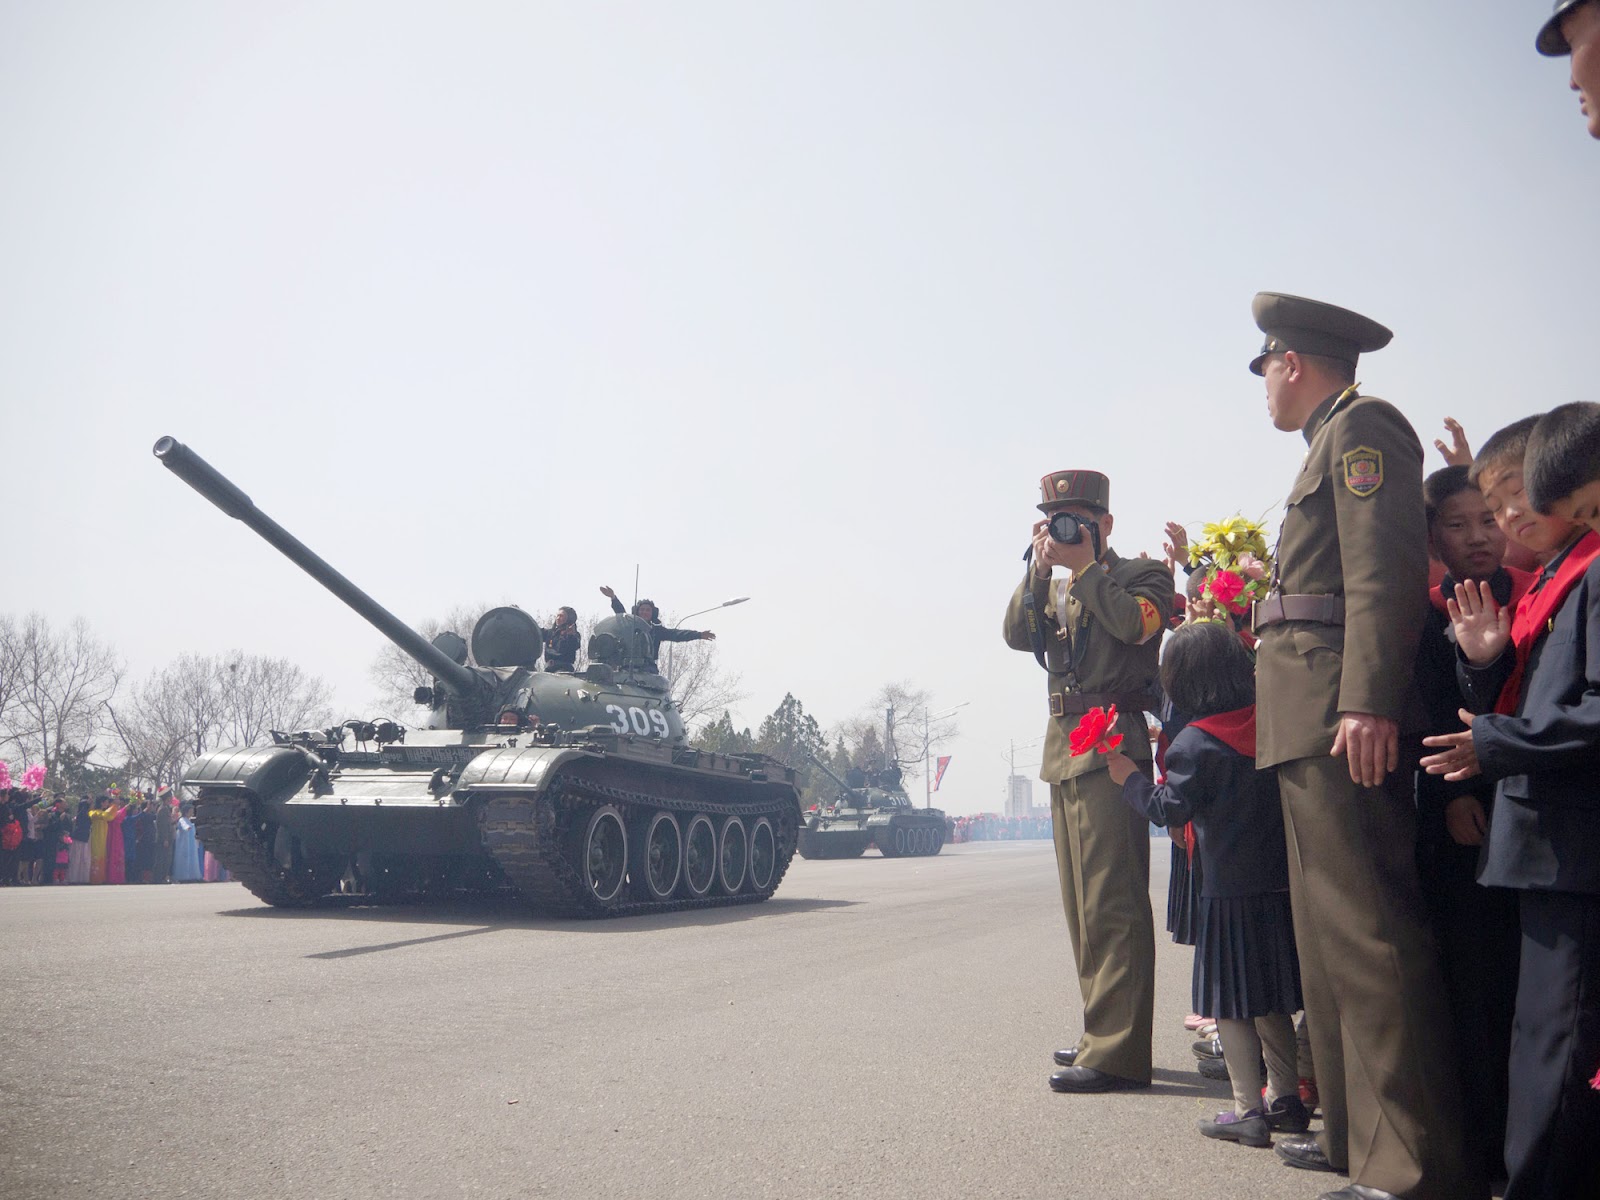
[1354, 527]
[1102, 633]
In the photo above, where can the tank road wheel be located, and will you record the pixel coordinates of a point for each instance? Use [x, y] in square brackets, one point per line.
[699, 856]
[604, 855]
[938, 840]
[902, 842]
[763, 855]
[658, 859]
[733, 855]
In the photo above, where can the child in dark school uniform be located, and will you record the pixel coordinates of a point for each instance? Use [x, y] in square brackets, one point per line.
[1246, 972]
[1532, 683]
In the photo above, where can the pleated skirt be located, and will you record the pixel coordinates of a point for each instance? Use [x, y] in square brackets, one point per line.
[1183, 895]
[78, 862]
[1245, 964]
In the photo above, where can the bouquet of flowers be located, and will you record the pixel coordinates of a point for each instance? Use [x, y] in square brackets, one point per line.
[33, 778]
[1237, 563]
[1093, 733]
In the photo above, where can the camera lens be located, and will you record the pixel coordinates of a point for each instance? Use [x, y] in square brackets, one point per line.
[1066, 528]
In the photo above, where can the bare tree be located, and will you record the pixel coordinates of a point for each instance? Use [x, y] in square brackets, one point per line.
[262, 694]
[198, 704]
[63, 681]
[10, 671]
[700, 687]
[907, 738]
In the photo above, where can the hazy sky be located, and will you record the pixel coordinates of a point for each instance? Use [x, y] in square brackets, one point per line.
[491, 301]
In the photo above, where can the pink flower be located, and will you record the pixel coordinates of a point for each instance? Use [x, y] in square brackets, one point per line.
[1595, 1082]
[5, 776]
[33, 778]
[1252, 567]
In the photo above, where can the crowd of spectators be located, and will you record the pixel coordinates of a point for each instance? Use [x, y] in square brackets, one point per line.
[107, 839]
[992, 827]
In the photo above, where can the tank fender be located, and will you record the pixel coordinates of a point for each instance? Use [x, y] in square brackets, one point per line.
[271, 772]
[511, 769]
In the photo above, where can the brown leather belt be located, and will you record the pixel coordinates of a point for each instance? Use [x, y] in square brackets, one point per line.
[1277, 608]
[1064, 704]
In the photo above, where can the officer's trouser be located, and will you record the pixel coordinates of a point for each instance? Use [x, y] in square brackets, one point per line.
[1103, 858]
[1374, 992]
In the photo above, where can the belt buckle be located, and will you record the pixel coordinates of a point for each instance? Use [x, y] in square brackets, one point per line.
[1058, 705]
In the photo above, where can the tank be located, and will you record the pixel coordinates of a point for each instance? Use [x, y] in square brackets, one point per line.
[577, 791]
[872, 810]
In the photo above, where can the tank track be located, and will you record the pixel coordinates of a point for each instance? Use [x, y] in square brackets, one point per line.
[527, 835]
[815, 844]
[227, 825]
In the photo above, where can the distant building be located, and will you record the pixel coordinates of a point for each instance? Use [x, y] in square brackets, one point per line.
[1019, 796]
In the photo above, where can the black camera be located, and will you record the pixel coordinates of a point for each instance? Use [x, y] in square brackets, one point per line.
[1067, 528]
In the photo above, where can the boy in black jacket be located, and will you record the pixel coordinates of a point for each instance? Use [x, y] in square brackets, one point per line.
[1533, 681]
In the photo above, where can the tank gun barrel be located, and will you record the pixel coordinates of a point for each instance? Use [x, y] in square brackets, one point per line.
[817, 762]
[226, 495]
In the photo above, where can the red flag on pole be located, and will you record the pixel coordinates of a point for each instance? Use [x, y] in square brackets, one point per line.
[944, 761]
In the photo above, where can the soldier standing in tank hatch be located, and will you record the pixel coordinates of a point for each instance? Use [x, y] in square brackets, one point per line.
[647, 612]
[1574, 29]
[1339, 634]
[1097, 635]
[562, 643]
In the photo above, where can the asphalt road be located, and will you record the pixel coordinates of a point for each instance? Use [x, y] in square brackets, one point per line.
[880, 1028]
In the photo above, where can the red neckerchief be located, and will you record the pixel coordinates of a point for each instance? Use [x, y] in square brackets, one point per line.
[1537, 610]
[1235, 730]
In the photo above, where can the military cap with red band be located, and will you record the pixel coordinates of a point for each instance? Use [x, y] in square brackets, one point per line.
[1312, 327]
[1062, 489]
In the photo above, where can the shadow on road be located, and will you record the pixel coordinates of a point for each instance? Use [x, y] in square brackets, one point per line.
[1165, 1082]
[496, 915]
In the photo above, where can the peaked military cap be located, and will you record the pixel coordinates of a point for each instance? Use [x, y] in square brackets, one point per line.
[1312, 327]
[1061, 488]
[1550, 41]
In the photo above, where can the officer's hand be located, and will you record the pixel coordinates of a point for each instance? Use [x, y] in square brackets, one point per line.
[1482, 627]
[608, 593]
[1120, 767]
[708, 636]
[1074, 556]
[1458, 757]
[1458, 453]
[1464, 818]
[1371, 744]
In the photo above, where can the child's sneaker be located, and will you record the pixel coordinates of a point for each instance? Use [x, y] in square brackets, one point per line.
[1248, 1130]
[1287, 1114]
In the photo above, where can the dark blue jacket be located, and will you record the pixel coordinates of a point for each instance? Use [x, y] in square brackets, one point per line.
[1545, 832]
[1238, 820]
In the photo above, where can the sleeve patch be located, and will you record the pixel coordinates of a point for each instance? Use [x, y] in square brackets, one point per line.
[1149, 619]
[1363, 471]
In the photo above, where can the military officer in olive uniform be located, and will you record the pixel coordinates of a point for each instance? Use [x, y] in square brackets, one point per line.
[1339, 632]
[1098, 636]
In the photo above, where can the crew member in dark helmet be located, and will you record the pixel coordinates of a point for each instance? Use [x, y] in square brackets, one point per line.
[646, 611]
[1097, 633]
[1574, 29]
[562, 642]
[1336, 691]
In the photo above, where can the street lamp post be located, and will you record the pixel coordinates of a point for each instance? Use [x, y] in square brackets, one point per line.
[703, 611]
[927, 780]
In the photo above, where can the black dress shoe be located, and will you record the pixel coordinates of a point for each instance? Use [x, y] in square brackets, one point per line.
[1304, 1153]
[1087, 1079]
[1065, 1058]
[1213, 1068]
[1358, 1191]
